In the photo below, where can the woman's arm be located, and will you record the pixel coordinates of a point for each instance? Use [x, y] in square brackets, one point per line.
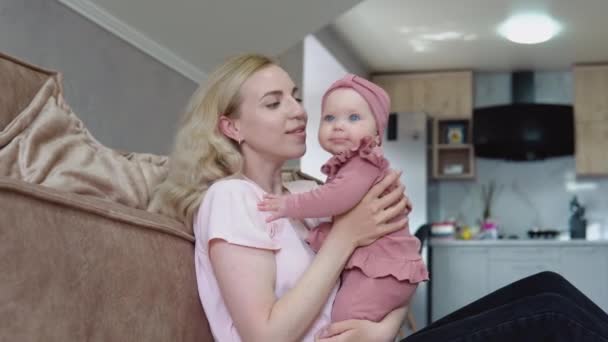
[246, 276]
[392, 323]
[365, 331]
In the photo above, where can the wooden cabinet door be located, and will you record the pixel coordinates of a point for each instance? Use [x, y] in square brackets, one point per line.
[400, 90]
[449, 95]
[591, 93]
[440, 95]
[591, 148]
[591, 119]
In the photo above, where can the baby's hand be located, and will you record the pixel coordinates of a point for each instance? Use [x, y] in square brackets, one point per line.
[276, 204]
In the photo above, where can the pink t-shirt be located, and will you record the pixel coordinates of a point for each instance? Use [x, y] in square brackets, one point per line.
[229, 212]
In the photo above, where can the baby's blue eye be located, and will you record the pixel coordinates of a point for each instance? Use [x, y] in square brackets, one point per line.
[354, 117]
[329, 118]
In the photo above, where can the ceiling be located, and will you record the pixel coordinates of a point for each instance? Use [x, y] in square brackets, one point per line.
[401, 35]
[193, 36]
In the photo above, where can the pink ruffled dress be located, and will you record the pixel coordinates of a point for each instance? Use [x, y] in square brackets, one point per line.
[377, 278]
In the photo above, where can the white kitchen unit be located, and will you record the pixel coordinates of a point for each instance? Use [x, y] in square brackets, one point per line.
[463, 271]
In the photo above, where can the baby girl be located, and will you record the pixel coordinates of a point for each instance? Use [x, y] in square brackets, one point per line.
[382, 276]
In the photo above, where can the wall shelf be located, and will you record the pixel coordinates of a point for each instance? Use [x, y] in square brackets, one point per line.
[452, 150]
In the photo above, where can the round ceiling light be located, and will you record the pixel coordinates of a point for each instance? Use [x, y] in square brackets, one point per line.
[529, 28]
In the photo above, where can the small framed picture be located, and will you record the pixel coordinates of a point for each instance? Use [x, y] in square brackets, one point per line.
[455, 134]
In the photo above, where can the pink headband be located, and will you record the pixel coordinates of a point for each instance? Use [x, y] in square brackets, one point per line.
[377, 99]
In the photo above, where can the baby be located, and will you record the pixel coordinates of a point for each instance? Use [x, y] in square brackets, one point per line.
[382, 276]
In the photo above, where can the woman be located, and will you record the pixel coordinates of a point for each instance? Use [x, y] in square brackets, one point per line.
[260, 282]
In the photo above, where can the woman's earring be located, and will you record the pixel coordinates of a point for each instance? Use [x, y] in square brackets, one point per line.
[240, 141]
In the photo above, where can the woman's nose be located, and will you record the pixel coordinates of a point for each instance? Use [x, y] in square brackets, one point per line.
[297, 110]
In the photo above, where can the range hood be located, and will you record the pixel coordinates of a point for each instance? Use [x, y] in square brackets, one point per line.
[523, 130]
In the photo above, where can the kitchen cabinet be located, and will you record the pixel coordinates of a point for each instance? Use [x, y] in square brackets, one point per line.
[463, 271]
[438, 94]
[591, 92]
[591, 148]
[508, 264]
[587, 268]
[458, 277]
[591, 119]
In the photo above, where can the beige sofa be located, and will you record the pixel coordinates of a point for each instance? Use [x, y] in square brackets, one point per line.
[80, 258]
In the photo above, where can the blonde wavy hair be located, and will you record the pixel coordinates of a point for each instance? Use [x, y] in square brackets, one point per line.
[202, 154]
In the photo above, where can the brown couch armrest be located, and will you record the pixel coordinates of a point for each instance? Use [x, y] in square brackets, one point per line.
[102, 207]
[75, 268]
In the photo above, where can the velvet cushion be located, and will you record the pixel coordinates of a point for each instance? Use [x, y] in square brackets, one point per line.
[42, 141]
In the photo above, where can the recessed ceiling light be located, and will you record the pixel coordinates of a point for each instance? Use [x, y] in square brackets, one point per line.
[529, 28]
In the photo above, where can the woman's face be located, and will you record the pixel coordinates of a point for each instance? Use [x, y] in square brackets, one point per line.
[272, 120]
[345, 119]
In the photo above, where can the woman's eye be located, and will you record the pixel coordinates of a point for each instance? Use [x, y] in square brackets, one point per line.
[354, 117]
[273, 105]
[328, 118]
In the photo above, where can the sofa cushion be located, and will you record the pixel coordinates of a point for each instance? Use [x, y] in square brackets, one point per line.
[42, 141]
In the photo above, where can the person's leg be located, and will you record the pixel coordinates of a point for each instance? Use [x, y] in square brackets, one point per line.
[543, 317]
[544, 282]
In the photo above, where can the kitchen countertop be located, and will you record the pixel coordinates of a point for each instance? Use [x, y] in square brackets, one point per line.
[516, 242]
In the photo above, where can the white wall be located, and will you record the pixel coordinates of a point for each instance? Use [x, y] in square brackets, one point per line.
[409, 154]
[127, 99]
[321, 69]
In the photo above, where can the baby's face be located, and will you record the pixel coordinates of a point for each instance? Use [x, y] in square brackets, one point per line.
[346, 119]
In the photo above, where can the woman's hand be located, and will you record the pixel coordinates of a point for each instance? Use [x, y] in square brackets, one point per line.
[364, 331]
[371, 218]
[355, 331]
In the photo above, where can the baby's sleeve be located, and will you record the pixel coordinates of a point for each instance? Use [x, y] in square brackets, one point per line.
[336, 196]
[229, 212]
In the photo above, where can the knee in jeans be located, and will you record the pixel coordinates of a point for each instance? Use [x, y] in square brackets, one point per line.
[553, 302]
[550, 276]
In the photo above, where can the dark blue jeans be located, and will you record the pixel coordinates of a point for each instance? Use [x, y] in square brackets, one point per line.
[539, 308]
